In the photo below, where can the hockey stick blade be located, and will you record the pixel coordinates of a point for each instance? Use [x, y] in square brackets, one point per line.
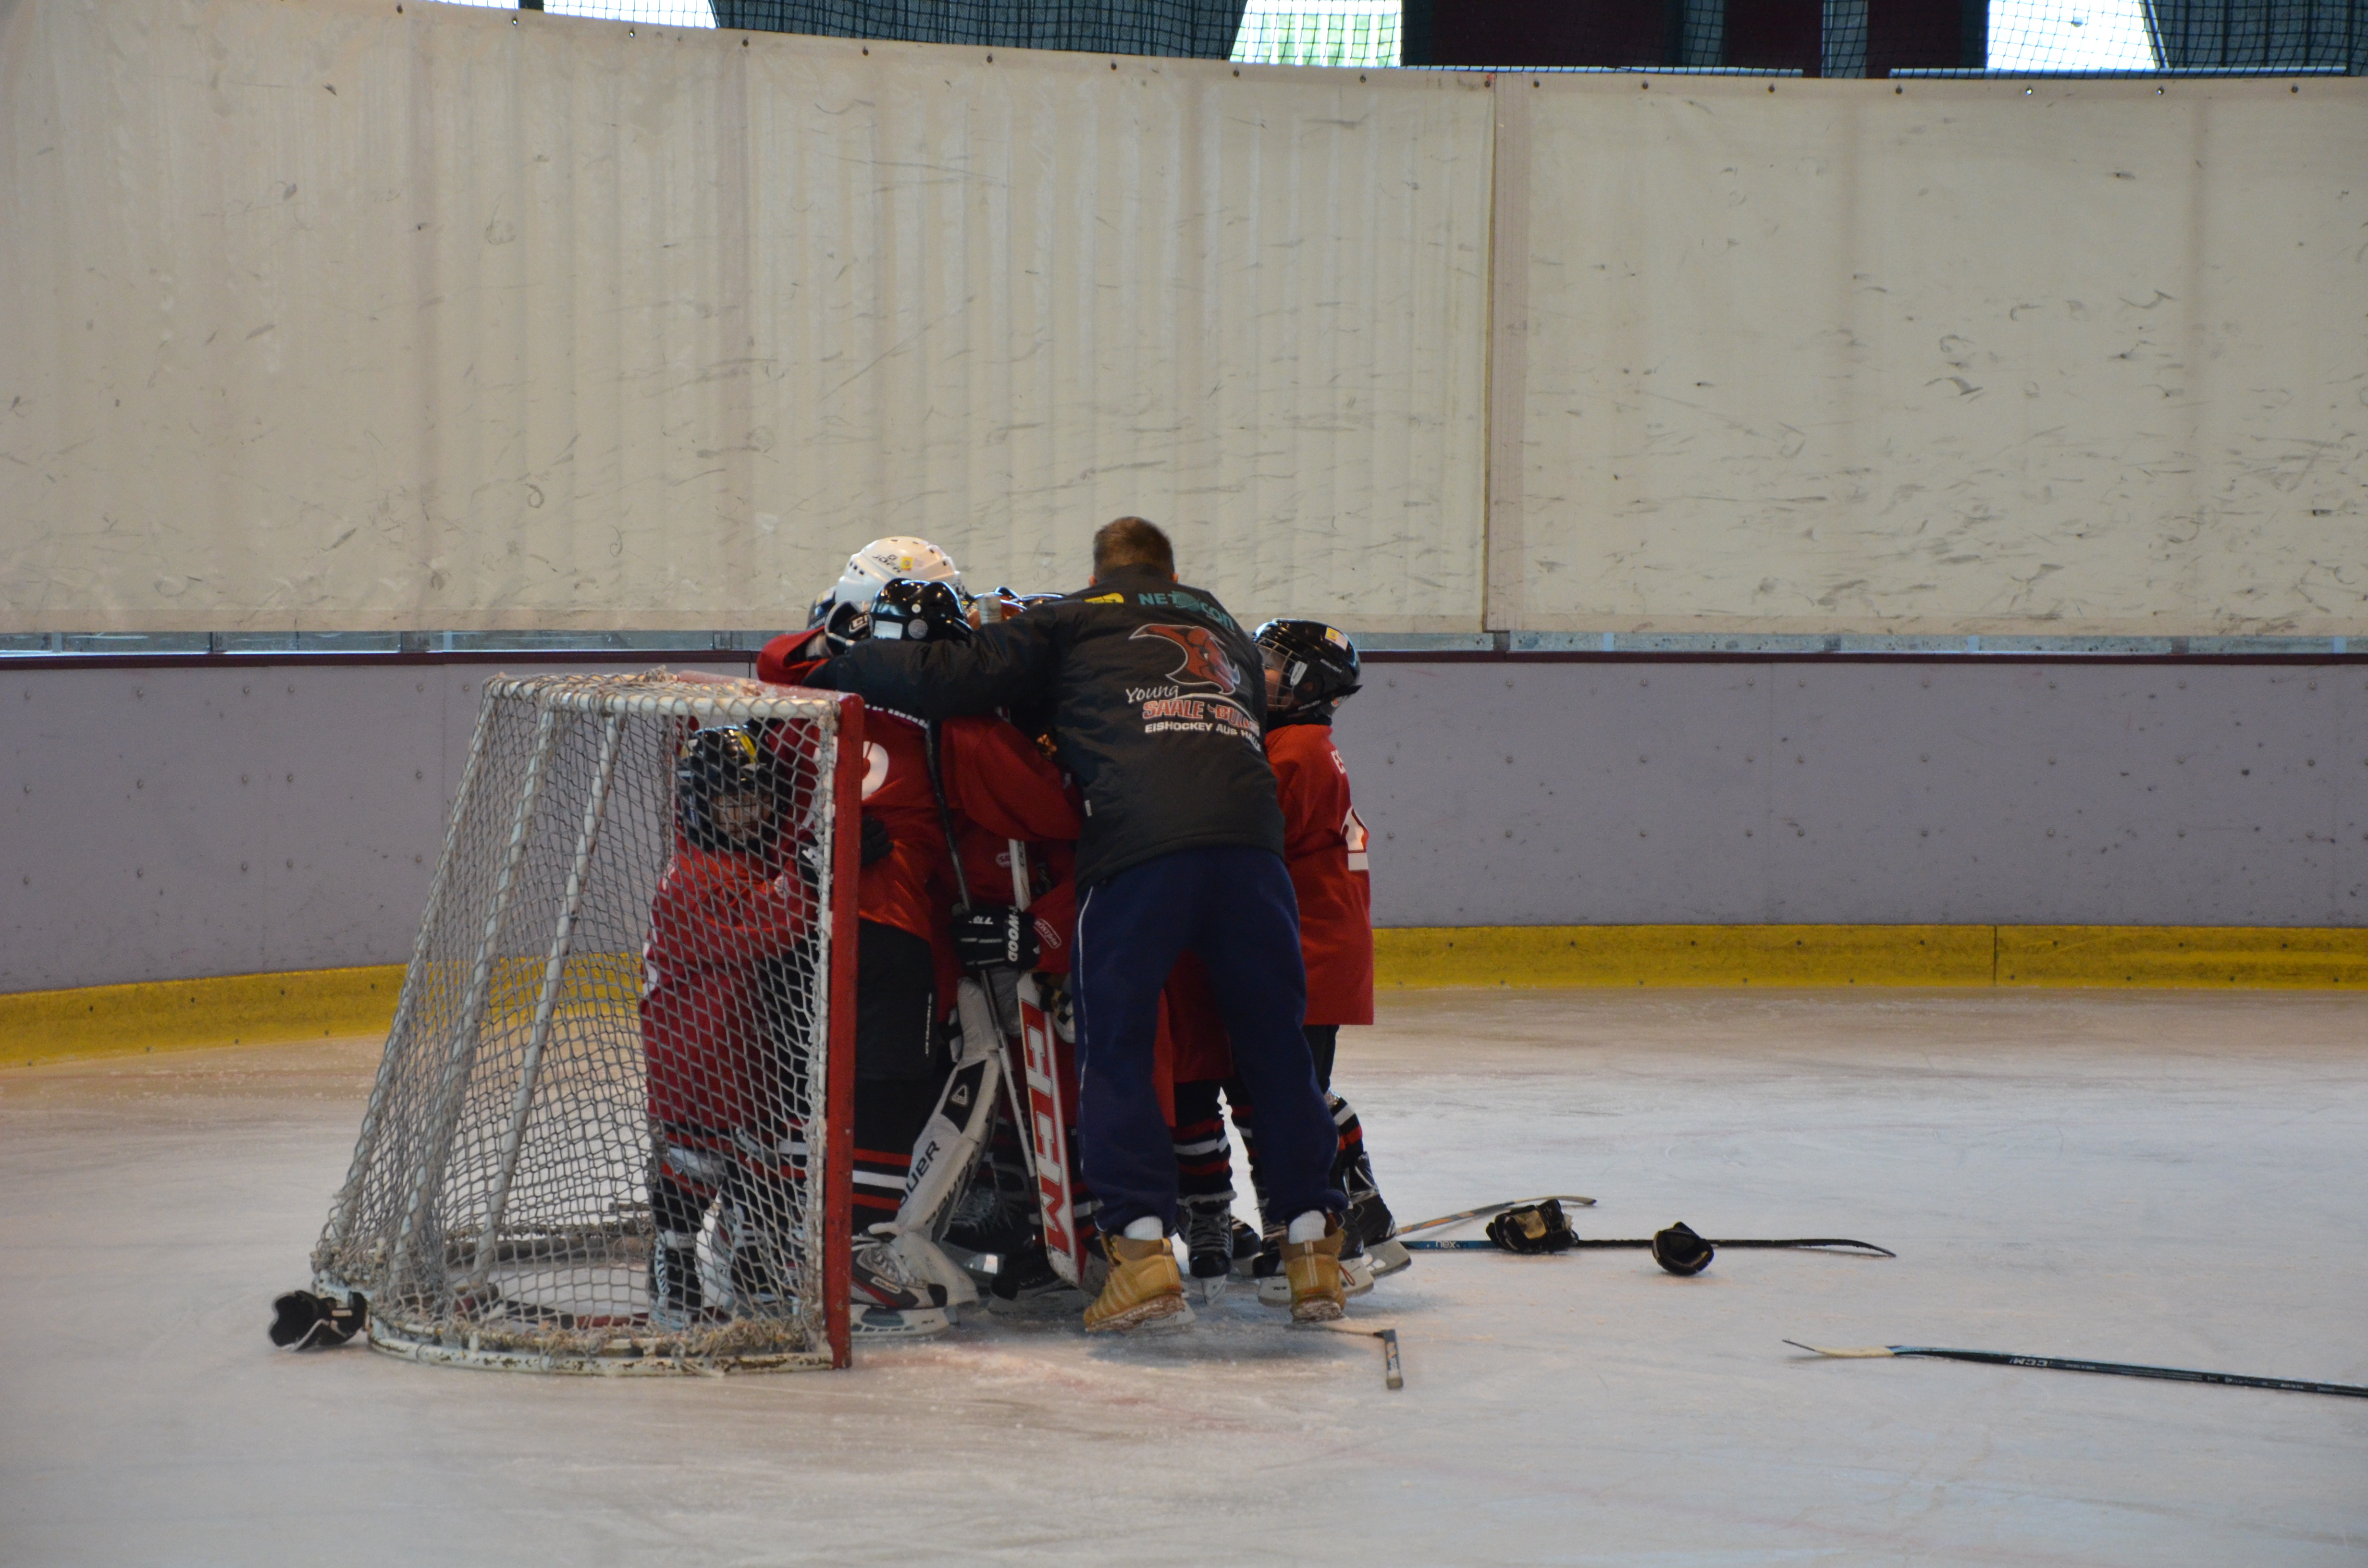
[1393, 1374]
[2069, 1364]
[1809, 1244]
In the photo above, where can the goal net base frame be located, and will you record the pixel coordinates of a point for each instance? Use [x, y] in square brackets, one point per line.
[619, 1356]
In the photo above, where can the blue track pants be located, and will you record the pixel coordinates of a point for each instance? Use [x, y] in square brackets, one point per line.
[1233, 906]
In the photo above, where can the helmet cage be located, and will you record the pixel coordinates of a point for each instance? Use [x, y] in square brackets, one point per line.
[722, 797]
[1318, 665]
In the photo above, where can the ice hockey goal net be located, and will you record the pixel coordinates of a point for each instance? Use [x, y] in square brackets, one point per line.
[611, 1130]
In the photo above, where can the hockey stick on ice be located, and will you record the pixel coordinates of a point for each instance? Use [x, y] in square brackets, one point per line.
[1393, 1374]
[1478, 1244]
[1485, 1210]
[2066, 1364]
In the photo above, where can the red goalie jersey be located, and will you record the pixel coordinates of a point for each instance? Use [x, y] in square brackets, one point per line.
[1323, 847]
[720, 927]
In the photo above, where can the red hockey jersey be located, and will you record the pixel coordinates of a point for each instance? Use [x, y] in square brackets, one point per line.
[1001, 788]
[904, 887]
[1323, 847]
[717, 919]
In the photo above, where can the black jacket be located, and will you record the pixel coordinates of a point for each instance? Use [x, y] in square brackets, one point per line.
[1157, 699]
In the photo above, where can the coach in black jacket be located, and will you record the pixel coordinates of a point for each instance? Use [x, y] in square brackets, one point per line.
[1158, 701]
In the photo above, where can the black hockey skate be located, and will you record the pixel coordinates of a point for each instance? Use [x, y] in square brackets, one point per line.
[1207, 1224]
[676, 1298]
[988, 1220]
[1369, 1223]
[1026, 1284]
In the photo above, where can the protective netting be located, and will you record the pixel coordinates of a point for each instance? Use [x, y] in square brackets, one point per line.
[657, 13]
[1350, 33]
[1890, 38]
[1191, 29]
[597, 1136]
[1815, 38]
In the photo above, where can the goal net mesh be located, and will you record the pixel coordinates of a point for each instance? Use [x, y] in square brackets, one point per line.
[597, 1140]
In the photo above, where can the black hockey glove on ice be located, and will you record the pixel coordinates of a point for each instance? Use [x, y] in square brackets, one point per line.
[1535, 1228]
[876, 843]
[995, 937]
[1681, 1252]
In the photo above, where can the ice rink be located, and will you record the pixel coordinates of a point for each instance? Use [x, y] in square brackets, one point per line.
[2166, 1177]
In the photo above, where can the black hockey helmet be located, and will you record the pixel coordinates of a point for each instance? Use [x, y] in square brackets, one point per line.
[720, 790]
[912, 610]
[1317, 664]
[844, 625]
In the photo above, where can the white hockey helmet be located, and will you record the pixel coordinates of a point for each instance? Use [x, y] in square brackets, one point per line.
[884, 560]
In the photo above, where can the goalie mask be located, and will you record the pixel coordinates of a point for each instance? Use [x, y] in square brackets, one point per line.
[1313, 669]
[912, 611]
[721, 798]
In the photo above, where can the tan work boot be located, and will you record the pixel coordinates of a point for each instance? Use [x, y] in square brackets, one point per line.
[1317, 1292]
[1144, 1288]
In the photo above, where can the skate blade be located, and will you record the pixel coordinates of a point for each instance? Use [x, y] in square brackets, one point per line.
[1210, 1288]
[1158, 1316]
[878, 1323]
[1389, 1257]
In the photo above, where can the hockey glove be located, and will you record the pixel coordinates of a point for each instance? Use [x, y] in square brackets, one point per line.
[876, 842]
[1680, 1250]
[995, 937]
[1534, 1228]
[302, 1321]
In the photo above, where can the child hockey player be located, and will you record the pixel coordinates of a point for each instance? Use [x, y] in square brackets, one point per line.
[1311, 669]
[723, 921]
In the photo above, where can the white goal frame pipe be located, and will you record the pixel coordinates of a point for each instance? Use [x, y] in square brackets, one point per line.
[373, 1118]
[563, 941]
[443, 1121]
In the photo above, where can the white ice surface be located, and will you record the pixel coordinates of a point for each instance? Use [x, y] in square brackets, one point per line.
[2163, 1178]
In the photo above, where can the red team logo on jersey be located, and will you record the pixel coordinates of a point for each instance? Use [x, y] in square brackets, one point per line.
[1205, 661]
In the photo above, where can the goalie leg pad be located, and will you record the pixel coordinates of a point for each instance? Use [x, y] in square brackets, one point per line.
[950, 1142]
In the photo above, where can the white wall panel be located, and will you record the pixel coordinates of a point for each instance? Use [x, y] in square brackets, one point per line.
[353, 315]
[2014, 357]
